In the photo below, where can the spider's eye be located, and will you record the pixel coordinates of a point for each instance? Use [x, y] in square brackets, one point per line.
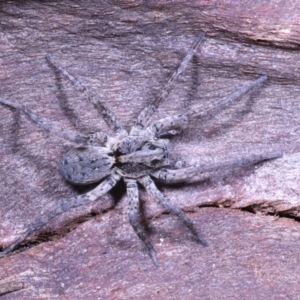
[154, 162]
[149, 146]
[118, 152]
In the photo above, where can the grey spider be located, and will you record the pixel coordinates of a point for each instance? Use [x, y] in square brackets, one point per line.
[137, 156]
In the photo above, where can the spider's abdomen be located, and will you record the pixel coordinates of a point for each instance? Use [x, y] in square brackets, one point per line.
[86, 165]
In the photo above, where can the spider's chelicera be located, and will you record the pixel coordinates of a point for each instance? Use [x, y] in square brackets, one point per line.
[137, 156]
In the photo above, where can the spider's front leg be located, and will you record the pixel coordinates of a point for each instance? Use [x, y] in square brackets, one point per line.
[150, 109]
[135, 218]
[175, 124]
[168, 175]
[168, 126]
[230, 99]
[150, 187]
[105, 186]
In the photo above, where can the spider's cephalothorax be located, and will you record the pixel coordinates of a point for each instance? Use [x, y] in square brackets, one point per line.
[137, 156]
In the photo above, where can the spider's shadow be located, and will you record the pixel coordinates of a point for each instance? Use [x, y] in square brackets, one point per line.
[17, 147]
[194, 86]
[209, 127]
[63, 102]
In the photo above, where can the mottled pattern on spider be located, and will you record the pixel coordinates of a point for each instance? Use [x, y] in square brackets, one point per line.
[137, 156]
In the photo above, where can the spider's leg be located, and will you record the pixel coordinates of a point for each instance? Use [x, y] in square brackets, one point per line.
[168, 126]
[196, 112]
[47, 126]
[174, 124]
[150, 187]
[85, 199]
[147, 112]
[106, 114]
[97, 137]
[134, 218]
[190, 172]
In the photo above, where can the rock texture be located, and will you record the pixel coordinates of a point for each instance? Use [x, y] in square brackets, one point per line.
[125, 51]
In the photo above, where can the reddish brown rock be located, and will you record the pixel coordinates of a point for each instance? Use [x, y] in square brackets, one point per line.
[125, 51]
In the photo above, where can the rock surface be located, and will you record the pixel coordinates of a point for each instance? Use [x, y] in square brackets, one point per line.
[125, 51]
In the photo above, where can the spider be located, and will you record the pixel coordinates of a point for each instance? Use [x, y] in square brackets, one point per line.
[137, 156]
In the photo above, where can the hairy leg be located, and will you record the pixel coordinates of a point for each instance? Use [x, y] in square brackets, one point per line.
[196, 112]
[106, 185]
[168, 126]
[189, 172]
[148, 111]
[150, 187]
[175, 124]
[47, 126]
[106, 114]
[134, 218]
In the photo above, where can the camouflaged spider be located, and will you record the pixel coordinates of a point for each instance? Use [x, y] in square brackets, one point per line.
[136, 156]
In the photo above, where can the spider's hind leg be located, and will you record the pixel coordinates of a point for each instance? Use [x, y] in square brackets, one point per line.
[46, 126]
[105, 186]
[134, 217]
